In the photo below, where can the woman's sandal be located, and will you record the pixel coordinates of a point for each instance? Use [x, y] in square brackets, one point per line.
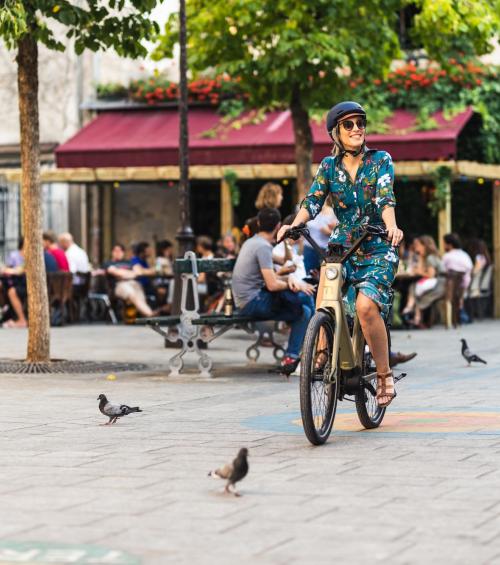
[385, 391]
[321, 359]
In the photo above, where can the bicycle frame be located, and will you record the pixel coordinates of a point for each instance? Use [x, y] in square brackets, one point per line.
[347, 353]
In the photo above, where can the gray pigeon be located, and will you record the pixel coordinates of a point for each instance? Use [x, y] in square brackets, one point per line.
[468, 356]
[233, 472]
[114, 411]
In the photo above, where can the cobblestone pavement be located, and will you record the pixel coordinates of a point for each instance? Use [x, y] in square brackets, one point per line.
[424, 488]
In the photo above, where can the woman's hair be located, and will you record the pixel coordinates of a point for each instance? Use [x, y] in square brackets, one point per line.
[205, 242]
[249, 229]
[162, 246]
[429, 245]
[268, 196]
[478, 247]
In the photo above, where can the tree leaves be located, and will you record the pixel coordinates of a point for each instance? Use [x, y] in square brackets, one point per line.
[267, 43]
[118, 24]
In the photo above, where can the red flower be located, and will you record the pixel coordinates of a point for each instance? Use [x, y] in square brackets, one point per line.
[479, 81]
[377, 82]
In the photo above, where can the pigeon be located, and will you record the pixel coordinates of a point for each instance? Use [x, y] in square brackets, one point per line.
[114, 411]
[468, 356]
[233, 472]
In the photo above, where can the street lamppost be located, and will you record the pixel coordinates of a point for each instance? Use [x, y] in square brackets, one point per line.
[184, 236]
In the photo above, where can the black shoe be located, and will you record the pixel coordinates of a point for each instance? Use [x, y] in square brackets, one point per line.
[288, 365]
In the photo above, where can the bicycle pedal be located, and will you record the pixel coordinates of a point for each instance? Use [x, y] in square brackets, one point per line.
[399, 377]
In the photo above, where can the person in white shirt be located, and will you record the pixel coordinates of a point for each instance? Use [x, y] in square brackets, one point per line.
[456, 259]
[320, 229]
[77, 257]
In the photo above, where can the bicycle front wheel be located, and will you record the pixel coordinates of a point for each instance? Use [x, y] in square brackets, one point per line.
[318, 395]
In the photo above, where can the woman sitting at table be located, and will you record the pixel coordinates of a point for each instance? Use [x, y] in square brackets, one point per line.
[430, 286]
[13, 284]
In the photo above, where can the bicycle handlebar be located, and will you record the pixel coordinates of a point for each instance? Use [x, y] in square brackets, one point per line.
[302, 230]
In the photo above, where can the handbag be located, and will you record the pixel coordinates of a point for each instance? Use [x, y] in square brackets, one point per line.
[425, 285]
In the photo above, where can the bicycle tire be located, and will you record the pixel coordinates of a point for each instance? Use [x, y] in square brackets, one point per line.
[315, 395]
[370, 414]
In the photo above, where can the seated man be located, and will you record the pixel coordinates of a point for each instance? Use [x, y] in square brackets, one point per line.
[77, 257]
[50, 245]
[260, 293]
[141, 267]
[126, 287]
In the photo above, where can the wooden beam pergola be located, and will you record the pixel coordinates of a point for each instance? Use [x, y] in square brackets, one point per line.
[422, 170]
[81, 175]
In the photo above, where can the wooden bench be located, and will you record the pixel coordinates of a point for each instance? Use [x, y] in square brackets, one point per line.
[191, 326]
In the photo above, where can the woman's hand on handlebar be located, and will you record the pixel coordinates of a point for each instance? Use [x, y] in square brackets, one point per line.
[281, 233]
[394, 235]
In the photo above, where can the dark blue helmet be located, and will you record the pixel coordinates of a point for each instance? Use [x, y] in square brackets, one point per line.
[339, 111]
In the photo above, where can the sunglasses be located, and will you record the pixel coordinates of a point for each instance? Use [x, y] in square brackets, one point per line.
[349, 124]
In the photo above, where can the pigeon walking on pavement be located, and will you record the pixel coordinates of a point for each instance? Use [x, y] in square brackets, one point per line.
[114, 411]
[233, 472]
[469, 356]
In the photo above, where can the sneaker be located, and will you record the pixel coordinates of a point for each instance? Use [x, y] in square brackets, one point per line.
[289, 364]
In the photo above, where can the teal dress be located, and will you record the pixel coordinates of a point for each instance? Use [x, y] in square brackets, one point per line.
[371, 270]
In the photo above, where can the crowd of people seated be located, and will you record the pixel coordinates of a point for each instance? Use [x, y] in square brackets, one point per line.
[135, 280]
[60, 255]
[423, 273]
[145, 282]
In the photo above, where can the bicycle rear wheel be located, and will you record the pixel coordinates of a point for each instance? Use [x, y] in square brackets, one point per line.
[318, 396]
[370, 414]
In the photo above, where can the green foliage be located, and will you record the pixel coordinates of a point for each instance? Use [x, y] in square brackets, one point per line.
[231, 177]
[446, 27]
[111, 91]
[425, 90]
[276, 47]
[442, 178]
[117, 24]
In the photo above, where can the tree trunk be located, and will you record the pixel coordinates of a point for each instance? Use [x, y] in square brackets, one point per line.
[303, 143]
[31, 194]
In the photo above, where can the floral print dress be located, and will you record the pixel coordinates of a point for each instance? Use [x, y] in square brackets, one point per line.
[371, 270]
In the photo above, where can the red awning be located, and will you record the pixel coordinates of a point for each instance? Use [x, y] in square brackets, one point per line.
[150, 138]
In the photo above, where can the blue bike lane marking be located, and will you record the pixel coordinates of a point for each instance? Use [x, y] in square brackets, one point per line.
[444, 421]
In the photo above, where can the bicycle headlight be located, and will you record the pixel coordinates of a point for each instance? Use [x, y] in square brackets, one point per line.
[331, 273]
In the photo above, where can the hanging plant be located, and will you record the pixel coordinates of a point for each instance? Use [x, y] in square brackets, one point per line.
[442, 177]
[231, 178]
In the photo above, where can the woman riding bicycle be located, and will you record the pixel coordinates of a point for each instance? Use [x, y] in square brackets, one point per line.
[360, 183]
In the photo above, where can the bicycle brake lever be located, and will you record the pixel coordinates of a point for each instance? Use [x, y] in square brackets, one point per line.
[293, 233]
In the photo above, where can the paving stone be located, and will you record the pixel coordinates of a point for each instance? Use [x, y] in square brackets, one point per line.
[422, 490]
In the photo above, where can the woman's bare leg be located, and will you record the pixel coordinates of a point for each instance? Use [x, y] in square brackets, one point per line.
[375, 334]
[138, 299]
[17, 306]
